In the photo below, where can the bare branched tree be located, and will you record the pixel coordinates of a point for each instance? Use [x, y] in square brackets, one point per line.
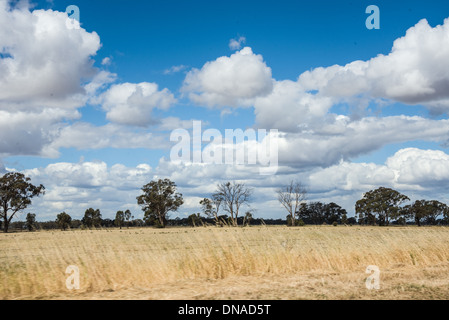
[291, 197]
[233, 196]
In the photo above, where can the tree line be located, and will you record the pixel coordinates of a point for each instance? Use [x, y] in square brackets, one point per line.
[229, 205]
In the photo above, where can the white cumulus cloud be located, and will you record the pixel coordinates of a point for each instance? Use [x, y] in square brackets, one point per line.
[133, 103]
[414, 72]
[229, 81]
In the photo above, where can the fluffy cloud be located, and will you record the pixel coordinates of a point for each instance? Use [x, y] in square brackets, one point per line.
[342, 139]
[46, 74]
[426, 168]
[350, 177]
[229, 81]
[415, 172]
[289, 106]
[38, 45]
[84, 136]
[74, 187]
[91, 175]
[28, 133]
[413, 73]
[35, 115]
[132, 104]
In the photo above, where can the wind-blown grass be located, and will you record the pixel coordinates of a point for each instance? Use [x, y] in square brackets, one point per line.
[32, 265]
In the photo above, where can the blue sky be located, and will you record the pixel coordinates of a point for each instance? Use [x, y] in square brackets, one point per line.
[144, 38]
[290, 42]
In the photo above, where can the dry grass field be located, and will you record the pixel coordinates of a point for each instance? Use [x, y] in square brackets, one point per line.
[322, 262]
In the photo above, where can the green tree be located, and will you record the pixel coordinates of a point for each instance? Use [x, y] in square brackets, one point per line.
[127, 215]
[158, 199]
[63, 220]
[380, 205]
[31, 221]
[92, 218]
[211, 207]
[333, 213]
[122, 218]
[436, 210]
[426, 211]
[119, 219]
[312, 213]
[16, 193]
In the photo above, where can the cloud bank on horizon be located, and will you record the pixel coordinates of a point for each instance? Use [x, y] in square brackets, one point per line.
[49, 80]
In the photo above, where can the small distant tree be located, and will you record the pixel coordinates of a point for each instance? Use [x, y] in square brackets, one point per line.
[75, 223]
[119, 219]
[233, 196]
[18, 225]
[122, 218]
[92, 218]
[380, 205]
[436, 210]
[333, 213]
[426, 211]
[30, 221]
[128, 216]
[16, 193]
[158, 199]
[211, 207]
[291, 197]
[352, 221]
[321, 213]
[401, 221]
[63, 220]
[312, 213]
[138, 223]
[415, 211]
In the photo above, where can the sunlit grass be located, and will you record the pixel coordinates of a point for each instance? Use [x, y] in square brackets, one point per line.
[32, 265]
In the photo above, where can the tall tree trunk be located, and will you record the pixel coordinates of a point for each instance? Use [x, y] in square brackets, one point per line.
[161, 220]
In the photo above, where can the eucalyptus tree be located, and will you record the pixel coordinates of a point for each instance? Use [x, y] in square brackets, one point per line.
[16, 192]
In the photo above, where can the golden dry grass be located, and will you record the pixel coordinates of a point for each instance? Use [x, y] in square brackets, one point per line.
[322, 262]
